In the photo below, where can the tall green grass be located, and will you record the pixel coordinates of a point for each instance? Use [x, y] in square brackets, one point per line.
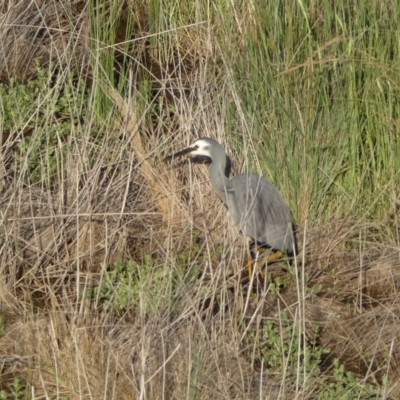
[314, 86]
[320, 86]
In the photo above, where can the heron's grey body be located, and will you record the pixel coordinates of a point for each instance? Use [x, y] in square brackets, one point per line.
[255, 205]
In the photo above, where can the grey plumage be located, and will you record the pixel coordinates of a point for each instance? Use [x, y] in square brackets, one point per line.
[255, 205]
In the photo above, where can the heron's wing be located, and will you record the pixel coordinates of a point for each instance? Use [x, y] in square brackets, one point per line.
[259, 210]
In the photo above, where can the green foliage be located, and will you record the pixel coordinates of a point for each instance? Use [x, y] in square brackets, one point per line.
[276, 283]
[345, 385]
[15, 391]
[42, 112]
[287, 352]
[144, 287]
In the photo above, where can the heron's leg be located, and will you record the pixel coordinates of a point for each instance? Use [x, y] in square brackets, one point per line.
[274, 256]
[269, 258]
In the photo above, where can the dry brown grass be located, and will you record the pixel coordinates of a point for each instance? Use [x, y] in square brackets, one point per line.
[49, 31]
[127, 204]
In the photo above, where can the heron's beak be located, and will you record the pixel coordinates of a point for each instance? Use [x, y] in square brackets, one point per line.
[180, 153]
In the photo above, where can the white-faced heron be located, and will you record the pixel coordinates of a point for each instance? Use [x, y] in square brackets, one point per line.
[255, 205]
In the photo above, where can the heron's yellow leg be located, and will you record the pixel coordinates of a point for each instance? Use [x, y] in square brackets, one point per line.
[274, 256]
[260, 263]
[269, 258]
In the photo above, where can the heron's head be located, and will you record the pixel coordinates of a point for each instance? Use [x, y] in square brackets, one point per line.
[206, 150]
[203, 147]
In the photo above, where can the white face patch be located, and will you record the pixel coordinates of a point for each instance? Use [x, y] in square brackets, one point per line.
[203, 148]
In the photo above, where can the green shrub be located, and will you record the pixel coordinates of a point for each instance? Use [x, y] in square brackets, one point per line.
[143, 288]
[288, 353]
[39, 116]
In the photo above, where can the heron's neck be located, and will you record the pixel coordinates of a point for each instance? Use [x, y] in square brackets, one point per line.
[218, 179]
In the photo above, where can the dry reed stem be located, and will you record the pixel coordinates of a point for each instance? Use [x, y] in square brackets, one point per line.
[169, 204]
